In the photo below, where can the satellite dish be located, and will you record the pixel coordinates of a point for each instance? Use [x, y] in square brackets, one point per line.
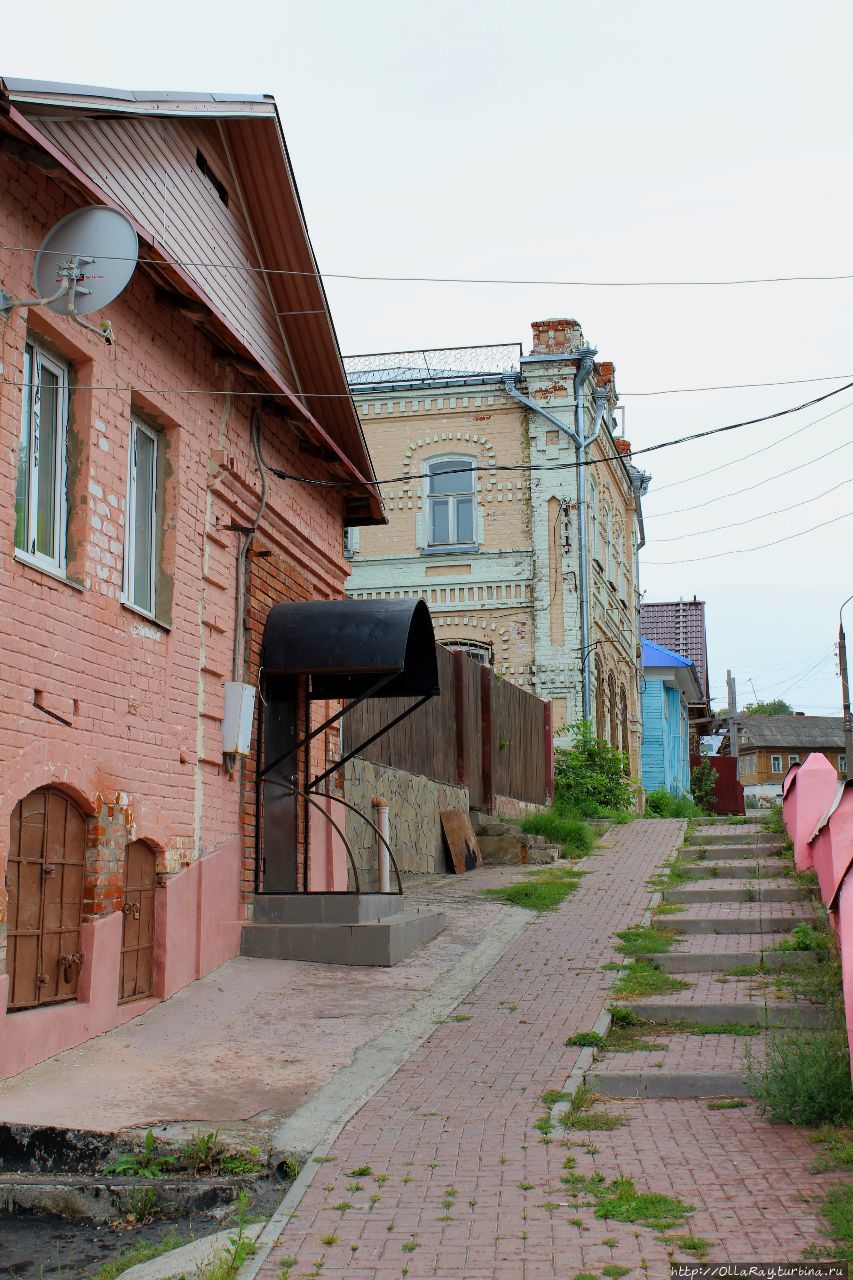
[105, 245]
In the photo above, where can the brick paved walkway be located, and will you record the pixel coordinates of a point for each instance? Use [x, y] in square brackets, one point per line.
[462, 1186]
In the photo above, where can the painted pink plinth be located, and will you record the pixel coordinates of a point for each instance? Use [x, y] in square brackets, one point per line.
[809, 795]
[844, 912]
[197, 923]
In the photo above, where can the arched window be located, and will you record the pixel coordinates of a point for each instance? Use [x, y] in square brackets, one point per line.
[481, 653]
[614, 715]
[599, 700]
[450, 501]
[626, 741]
[47, 853]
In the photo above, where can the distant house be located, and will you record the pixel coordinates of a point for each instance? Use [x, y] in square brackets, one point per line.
[679, 625]
[671, 687]
[769, 745]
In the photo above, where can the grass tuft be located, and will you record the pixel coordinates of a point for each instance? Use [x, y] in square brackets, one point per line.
[572, 834]
[644, 939]
[805, 1078]
[542, 891]
[642, 978]
[585, 1040]
[836, 1149]
[141, 1252]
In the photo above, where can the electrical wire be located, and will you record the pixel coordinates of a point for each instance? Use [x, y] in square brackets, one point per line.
[450, 279]
[703, 475]
[737, 524]
[733, 493]
[503, 280]
[742, 551]
[807, 673]
[734, 386]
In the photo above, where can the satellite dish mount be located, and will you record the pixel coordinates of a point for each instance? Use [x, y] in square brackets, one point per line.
[82, 265]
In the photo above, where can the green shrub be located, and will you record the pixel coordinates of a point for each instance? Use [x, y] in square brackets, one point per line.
[662, 804]
[805, 1078]
[573, 834]
[591, 777]
[703, 786]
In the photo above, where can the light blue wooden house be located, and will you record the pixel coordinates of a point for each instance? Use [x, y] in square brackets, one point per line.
[670, 684]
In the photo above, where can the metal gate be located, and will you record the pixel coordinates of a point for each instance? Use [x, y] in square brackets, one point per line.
[45, 883]
[137, 936]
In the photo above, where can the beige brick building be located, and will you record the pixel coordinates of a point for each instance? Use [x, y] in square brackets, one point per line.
[479, 448]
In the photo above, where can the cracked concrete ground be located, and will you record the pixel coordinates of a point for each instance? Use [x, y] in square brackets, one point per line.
[254, 1045]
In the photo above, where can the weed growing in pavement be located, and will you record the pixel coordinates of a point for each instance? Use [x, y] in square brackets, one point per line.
[541, 891]
[147, 1163]
[574, 835]
[837, 1208]
[644, 939]
[410, 1245]
[697, 1245]
[668, 909]
[585, 1275]
[239, 1249]
[343, 1206]
[836, 1149]
[585, 1040]
[330, 1240]
[552, 1096]
[727, 1104]
[286, 1266]
[745, 971]
[581, 1116]
[620, 1201]
[203, 1152]
[805, 1078]
[143, 1205]
[614, 1271]
[642, 978]
[363, 1171]
[141, 1252]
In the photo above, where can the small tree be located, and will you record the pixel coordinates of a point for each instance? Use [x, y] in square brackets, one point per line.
[591, 776]
[703, 786]
[776, 707]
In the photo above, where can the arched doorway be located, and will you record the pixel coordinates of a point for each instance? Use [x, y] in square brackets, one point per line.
[137, 935]
[44, 879]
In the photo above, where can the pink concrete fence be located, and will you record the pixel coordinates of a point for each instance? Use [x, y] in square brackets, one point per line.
[818, 813]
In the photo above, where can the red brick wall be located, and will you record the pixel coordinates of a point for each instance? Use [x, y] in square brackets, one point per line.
[144, 701]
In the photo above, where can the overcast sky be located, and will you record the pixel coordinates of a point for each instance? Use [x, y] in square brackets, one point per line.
[560, 140]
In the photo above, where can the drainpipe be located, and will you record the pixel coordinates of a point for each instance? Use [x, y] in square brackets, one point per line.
[582, 442]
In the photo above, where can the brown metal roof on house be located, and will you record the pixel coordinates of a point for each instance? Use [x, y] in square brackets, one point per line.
[811, 733]
[277, 327]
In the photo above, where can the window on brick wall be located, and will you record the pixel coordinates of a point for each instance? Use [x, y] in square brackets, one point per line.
[40, 494]
[142, 518]
[450, 498]
[481, 653]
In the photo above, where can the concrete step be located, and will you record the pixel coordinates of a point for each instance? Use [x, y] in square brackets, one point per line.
[379, 942]
[616, 1083]
[717, 852]
[512, 849]
[724, 890]
[729, 869]
[756, 1013]
[742, 917]
[719, 839]
[724, 961]
[325, 908]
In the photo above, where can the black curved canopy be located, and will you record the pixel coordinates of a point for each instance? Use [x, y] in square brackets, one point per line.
[346, 646]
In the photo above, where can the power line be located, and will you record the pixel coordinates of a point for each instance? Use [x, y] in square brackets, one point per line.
[703, 475]
[742, 551]
[737, 524]
[491, 280]
[735, 386]
[733, 493]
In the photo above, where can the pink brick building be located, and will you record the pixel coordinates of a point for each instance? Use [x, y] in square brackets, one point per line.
[128, 481]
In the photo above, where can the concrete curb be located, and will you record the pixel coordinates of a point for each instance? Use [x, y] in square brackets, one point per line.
[188, 1258]
[669, 1084]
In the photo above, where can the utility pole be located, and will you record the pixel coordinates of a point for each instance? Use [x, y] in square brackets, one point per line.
[733, 729]
[845, 691]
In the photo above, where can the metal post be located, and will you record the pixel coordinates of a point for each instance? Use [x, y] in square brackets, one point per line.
[380, 810]
[734, 746]
[845, 692]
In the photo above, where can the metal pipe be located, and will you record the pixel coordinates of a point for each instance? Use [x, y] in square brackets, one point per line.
[583, 372]
[845, 692]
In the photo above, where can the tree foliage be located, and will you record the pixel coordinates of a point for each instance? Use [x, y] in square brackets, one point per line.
[776, 707]
[703, 786]
[591, 777]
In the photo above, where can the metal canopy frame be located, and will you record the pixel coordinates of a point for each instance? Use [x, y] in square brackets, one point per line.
[372, 648]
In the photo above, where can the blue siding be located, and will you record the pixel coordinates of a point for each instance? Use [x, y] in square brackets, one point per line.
[666, 758]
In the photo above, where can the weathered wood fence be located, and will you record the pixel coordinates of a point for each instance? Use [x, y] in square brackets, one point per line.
[481, 733]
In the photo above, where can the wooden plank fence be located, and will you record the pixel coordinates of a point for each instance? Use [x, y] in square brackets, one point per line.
[481, 732]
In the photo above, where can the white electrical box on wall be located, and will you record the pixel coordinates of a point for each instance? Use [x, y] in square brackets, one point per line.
[238, 718]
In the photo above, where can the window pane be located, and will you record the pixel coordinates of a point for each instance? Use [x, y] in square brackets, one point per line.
[22, 496]
[440, 520]
[143, 522]
[465, 520]
[461, 482]
[46, 435]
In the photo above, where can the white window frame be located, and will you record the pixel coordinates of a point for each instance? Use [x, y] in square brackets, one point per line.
[451, 499]
[479, 650]
[774, 766]
[793, 760]
[137, 426]
[842, 762]
[592, 512]
[41, 359]
[607, 549]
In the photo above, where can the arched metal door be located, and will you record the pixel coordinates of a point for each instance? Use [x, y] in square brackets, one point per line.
[137, 937]
[44, 878]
